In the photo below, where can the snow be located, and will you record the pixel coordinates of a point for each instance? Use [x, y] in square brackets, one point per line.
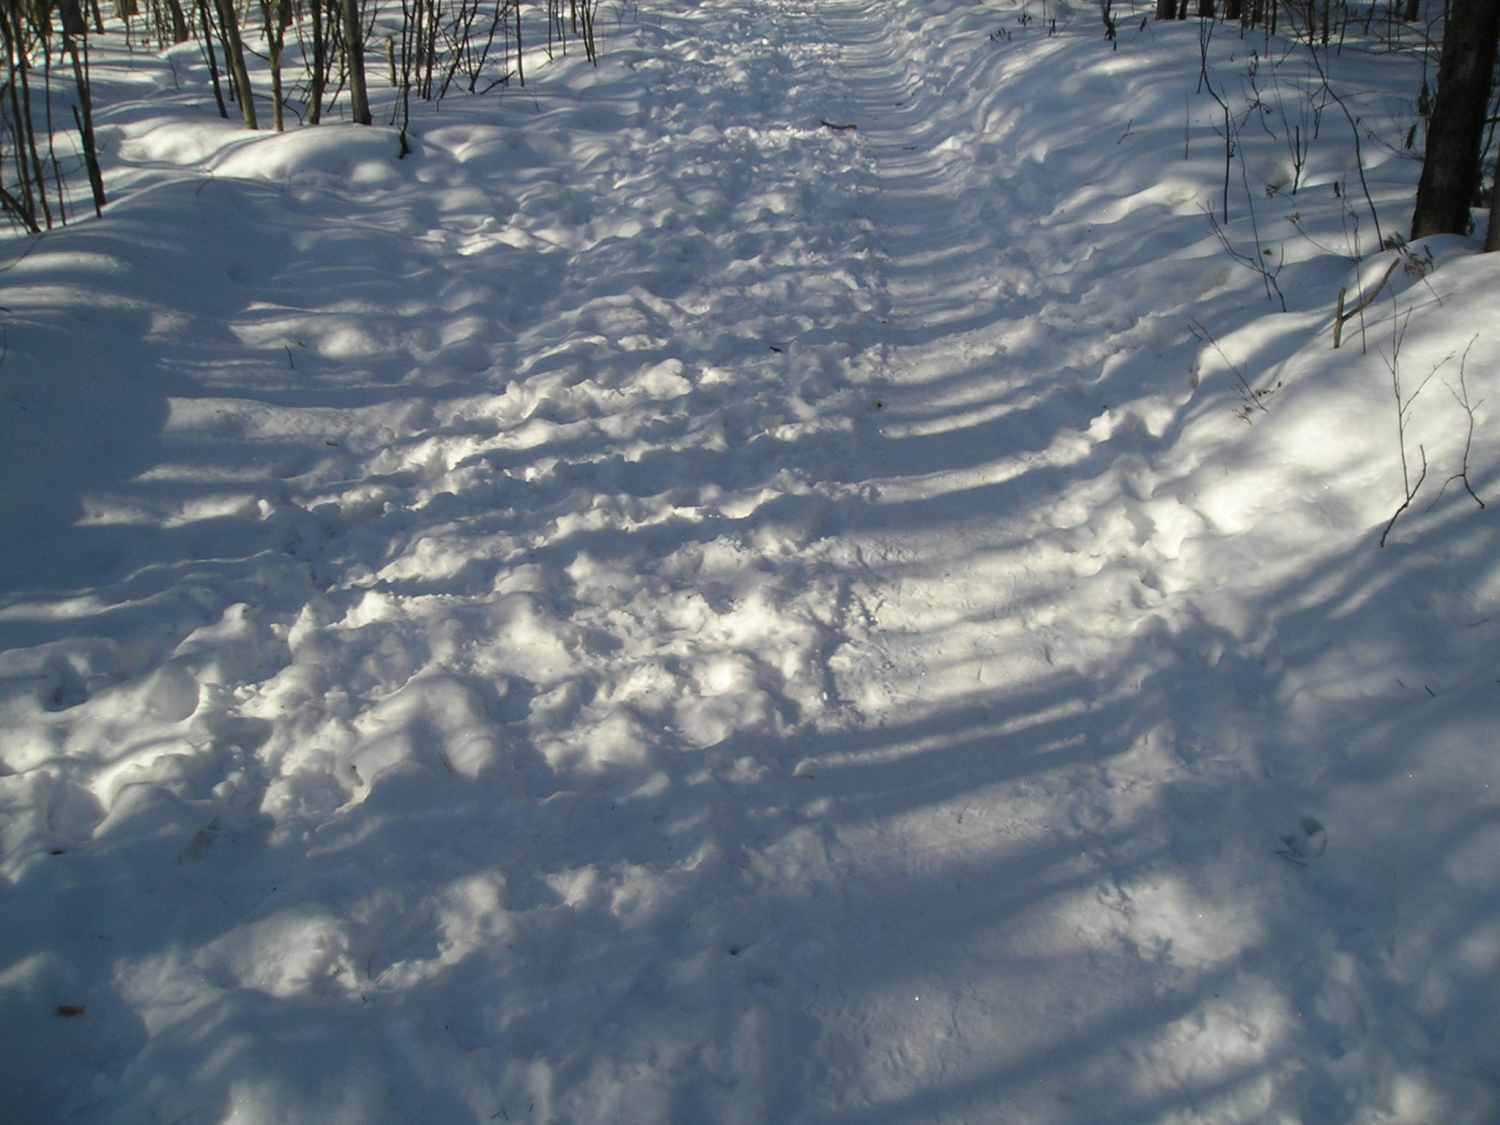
[655, 609]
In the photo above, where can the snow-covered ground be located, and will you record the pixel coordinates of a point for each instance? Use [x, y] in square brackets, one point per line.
[655, 609]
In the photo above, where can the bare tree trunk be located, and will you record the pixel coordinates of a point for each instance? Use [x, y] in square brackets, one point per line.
[354, 53]
[429, 51]
[23, 206]
[213, 63]
[1492, 240]
[1450, 170]
[319, 63]
[275, 38]
[74, 31]
[234, 53]
[1166, 9]
[57, 173]
[179, 21]
[28, 140]
[411, 35]
[520, 48]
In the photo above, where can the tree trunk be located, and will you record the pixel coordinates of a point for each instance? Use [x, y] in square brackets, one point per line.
[1450, 169]
[74, 32]
[429, 52]
[208, 50]
[275, 39]
[1492, 240]
[354, 53]
[26, 127]
[23, 206]
[520, 66]
[234, 54]
[319, 63]
[1413, 10]
[1166, 9]
[179, 21]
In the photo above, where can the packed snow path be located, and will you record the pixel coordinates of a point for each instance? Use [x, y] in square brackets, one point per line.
[668, 608]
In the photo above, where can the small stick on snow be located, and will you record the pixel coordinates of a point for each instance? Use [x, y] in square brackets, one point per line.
[1346, 314]
[836, 126]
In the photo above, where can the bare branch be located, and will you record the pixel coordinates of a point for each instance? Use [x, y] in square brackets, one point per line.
[1404, 404]
[1251, 397]
[1461, 396]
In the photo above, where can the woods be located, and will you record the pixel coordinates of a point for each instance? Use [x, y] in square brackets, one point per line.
[32, 170]
[310, 65]
[294, 62]
[1457, 121]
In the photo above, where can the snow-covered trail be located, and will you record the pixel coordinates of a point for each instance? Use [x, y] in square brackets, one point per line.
[718, 625]
[1092, 717]
[1008, 832]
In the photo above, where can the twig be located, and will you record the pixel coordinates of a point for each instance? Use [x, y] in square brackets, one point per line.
[1247, 392]
[1346, 313]
[836, 126]
[1359, 157]
[1410, 492]
[1257, 261]
[1403, 412]
[1261, 253]
[1205, 37]
[1461, 396]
